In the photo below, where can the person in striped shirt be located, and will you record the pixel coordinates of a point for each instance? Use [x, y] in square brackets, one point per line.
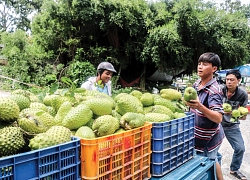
[208, 110]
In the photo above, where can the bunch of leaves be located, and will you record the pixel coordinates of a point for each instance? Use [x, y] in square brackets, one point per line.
[27, 62]
[79, 72]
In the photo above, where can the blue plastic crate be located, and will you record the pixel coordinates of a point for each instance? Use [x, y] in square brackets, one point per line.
[171, 141]
[198, 167]
[165, 129]
[60, 162]
[160, 169]
[178, 150]
[172, 144]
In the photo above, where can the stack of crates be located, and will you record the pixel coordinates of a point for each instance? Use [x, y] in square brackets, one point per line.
[60, 162]
[119, 156]
[172, 144]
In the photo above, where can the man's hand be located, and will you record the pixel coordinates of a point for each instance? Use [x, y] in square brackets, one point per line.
[243, 117]
[195, 104]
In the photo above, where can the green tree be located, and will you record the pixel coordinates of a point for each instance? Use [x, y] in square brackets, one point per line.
[14, 14]
[204, 28]
[25, 59]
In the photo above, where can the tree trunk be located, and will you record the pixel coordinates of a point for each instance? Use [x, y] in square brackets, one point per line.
[143, 79]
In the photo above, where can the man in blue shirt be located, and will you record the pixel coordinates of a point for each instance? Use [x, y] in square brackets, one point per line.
[208, 109]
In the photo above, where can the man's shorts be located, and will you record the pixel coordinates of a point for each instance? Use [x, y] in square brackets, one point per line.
[213, 155]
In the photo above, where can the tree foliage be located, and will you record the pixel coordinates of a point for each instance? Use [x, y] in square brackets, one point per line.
[14, 14]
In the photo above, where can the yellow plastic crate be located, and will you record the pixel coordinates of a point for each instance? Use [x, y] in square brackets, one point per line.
[118, 156]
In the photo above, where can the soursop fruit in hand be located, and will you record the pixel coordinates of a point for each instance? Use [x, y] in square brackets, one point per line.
[190, 94]
[235, 115]
[132, 120]
[227, 107]
[243, 111]
[105, 125]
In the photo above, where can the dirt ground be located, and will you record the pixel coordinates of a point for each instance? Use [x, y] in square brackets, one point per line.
[227, 152]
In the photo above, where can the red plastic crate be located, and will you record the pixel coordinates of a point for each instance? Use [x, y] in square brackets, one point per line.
[118, 156]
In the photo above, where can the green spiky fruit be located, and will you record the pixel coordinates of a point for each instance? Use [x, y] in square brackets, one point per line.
[58, 100]
[48, 99]
[136, 93]
[127, 103]
[147, 109]
[34, 98]
[62, 112]
[53, 136]
[190, 94]
[243, 111]
[156, 117]
[165, 102]
[100, 106]
[22, 101]
[78, 116]
[227, 107]
[9, 110]
[121, 130]
[132, 120]
[116, 114]
[147, 99]
[85, 132]
[11, 141]
[90, 123]
[34, 121]
[105, 125]
[162, 110]
[38, 105]
[51, 111]
[22, 92]
[178, 115]
[235, 113]
[171, 94]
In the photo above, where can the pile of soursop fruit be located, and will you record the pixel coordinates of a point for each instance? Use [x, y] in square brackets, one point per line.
[28, 122]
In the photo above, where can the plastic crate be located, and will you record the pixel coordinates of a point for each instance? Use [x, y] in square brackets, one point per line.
[173, 127]
[198, 168]
[172, 144]
[60, 162]
[118, 156]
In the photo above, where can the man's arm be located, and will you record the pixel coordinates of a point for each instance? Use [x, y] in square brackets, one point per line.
[243, 103]
[214, 116]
